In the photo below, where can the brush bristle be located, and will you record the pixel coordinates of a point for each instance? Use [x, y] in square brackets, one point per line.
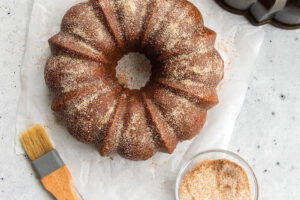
[35, 142]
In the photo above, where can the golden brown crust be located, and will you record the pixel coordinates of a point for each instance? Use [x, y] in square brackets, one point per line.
[134, 123]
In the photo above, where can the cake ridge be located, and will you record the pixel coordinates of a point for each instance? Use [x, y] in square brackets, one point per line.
[77, 22]
[136, 139]
[147, 31]
[61, 100]
[165, 132]
[102, 5]
[98, 11]
[88, 43]
[179, 104]
[104, 122]
[169, 23]
[195, 68]
[71, 47]
[208, 100]
[125, 122]
[149, 8]
[190, 47]
[109, 145]
[156, 136]
[90, 118]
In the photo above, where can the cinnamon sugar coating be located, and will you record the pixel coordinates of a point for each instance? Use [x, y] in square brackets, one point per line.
[134, 123]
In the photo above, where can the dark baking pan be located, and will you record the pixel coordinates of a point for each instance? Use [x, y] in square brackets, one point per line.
[281, 13]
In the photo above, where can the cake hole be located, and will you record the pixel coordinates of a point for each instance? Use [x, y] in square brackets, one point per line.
[133, 71]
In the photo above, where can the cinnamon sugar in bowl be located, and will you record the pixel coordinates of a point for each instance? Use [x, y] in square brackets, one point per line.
[216, 174]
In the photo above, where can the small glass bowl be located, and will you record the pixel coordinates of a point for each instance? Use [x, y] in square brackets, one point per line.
[215, 155]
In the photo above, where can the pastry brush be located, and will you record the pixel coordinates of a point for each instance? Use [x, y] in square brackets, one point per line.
[50, 169]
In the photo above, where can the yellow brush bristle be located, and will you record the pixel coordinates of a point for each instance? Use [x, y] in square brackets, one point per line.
[35, 142]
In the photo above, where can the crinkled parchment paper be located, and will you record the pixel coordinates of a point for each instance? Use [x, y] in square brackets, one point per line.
[115, 178]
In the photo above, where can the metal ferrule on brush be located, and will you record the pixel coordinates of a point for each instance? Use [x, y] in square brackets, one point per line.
[47, 164]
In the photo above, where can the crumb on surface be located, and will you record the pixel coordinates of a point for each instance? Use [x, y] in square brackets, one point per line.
[273, 113]
[283, 97]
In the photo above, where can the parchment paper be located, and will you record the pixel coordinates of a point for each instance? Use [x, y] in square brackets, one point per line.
[115, 178]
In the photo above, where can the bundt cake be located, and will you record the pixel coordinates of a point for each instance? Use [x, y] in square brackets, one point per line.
[171, 107]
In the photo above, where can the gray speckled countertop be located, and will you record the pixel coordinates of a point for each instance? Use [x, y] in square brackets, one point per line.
[267, 132]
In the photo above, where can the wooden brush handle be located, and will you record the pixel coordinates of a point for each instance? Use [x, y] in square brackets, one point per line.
[59, 184]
